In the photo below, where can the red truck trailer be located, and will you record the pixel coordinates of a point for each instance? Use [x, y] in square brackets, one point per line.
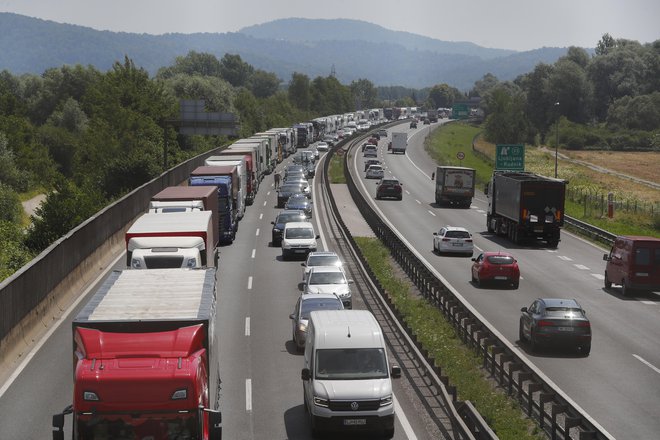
[145, 359]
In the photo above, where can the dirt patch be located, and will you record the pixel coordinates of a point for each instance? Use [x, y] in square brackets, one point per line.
[644, 165]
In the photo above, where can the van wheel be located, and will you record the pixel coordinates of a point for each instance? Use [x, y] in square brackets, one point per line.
[625, 290]
[608, 283]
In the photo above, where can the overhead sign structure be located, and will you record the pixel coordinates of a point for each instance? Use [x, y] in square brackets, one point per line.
[195, 120]
[510, 157]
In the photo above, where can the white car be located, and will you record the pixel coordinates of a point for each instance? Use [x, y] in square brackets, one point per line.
[370, 150]
[375, 172]
[330, 279]
[453, 239]
[320, 258]
[321, 146]
[299, 239]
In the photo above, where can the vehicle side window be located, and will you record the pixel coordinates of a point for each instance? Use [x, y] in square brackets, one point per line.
[656, 258]
[643, 256]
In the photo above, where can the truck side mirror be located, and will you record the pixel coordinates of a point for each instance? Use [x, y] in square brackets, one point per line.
[396, 371]
[432, 176]
[304, 374]
[605, 257]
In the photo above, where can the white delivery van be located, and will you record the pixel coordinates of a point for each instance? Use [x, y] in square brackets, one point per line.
[298, 239]
[346, 374]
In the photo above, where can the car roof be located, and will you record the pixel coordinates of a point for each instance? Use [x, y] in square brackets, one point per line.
[495, 253]
[327, 269]
[291, 211]
[455, 228]
[375, 166]
[313, 296]
[560, 302]
[305, 225]
[323, 253]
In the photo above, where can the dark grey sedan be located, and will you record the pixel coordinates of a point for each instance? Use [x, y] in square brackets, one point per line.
[287, 190]
[555, 321]
[284, 217]
[300, 202]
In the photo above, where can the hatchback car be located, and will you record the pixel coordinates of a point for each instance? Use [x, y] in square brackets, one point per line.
[301, 203]
[555, 321]
[453, 239]
[375, 172]
[320, 258]
[295, 179]
[304, 306]
[284, 217]
[287, 190]
[298, 239]
[293, 168]
[370, 150]
[496, 266]
[321, 146]
[413, 124]
[330, 279]
[390, 188]
[368, 162]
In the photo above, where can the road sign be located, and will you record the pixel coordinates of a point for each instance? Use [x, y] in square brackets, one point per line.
[460, 155]
[510, 157]
[460, 111]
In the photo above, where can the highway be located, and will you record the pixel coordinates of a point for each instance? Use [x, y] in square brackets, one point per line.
[619, 383]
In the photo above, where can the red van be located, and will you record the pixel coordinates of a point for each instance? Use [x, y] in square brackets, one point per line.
[633, 263]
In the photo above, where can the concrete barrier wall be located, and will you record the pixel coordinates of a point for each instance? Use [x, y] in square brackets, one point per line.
[66, 265]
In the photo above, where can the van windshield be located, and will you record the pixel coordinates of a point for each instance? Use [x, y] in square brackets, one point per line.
[299, 233]
[351, 364]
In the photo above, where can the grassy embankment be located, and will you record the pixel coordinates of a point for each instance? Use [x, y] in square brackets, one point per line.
[450, 139]
[336, 170]
[458, 362]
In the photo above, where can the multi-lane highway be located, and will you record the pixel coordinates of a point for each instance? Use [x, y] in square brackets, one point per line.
[619, 383]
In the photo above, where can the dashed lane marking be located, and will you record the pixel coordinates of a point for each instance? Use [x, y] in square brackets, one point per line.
[249, 283]
[418, 202]
[481, 211]
[247, 326]
[261, 216]
[565, 258]
[248, 394]
[432, 213]
[581, 267]
[265, 202]
[254, 251]
[647, 363]
[598, 276]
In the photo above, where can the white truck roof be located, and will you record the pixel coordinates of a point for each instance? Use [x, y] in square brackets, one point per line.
[155, 294]
[172, 222]
[346, 329]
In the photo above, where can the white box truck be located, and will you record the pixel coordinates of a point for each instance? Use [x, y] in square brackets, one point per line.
[399, 142]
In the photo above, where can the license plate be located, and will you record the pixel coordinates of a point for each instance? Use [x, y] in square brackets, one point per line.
[457, 244]
[538, 229]
[565, 329]
[501, 278]
[353, 422]
[299, 251]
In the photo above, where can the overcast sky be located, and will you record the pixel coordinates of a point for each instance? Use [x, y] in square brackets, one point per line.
[505, 24]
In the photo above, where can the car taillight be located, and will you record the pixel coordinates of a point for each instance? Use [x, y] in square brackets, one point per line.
[469, 240]
[545, 323]
[584, 324]
[445, 239]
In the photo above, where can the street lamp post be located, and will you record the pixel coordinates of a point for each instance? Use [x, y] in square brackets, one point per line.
[556, 139]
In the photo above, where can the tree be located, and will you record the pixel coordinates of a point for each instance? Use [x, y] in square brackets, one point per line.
[235, 71]
[10, 204]
[443, 96]
[263, 84]
[299, 91]
[540, 107]
[606, 43]
[14, 254]
[194, 63]
[217, 93]
[486, 83]
[506, 122]
[571, 88]
[364, 93]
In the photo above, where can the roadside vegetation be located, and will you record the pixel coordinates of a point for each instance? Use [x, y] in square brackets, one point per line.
[461, 364]
[336, 169]
[448, 140]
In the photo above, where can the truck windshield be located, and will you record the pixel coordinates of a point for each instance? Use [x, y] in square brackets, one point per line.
[176, 426]
[351, 364]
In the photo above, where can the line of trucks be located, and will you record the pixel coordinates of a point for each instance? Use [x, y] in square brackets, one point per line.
[522, 206]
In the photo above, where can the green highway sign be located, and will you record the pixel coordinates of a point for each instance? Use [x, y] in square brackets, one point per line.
[460, 111]
[510, 157]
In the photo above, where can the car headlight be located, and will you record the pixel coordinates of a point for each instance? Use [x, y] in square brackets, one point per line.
[319, 401]
[277, 230]
[302, 327]
[386, 401]
[136, 264]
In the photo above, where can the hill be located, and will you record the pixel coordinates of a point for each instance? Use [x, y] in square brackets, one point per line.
[355, 49]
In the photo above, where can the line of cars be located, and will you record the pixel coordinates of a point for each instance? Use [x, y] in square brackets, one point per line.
[386, 187]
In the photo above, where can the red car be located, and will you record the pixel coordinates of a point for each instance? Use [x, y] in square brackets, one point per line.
[496, 266]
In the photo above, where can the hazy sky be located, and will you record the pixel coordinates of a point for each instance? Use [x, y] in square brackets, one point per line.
[506, 24]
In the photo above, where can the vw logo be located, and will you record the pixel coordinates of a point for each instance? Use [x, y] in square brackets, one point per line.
[355, 406]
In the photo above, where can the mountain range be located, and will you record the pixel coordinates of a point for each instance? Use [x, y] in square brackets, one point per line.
[351, 49]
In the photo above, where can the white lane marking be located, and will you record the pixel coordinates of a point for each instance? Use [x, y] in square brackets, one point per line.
[247, 326]
[254, 251]
[478, 248]
[405, 424]
[407, 192]
[647, 363]
[648, 303]
[261, 216]
[265, 202]
[598, 276]
[418, 202]
[565, 258]
[324, 243]
[552, 251]
[481, 211]
[248, 394]
[28, 357]
[257, 234]
[249, 283]
[581, 267]
[432, 213]
[268, 193]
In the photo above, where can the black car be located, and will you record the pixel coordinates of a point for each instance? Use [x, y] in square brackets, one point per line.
[299, 202]
[293, 169]
[555, 321]
[284, 217]
[413, 124]
[287, 190]
[390, 188]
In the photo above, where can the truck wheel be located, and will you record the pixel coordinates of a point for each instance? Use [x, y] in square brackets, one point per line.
[608, 283]
[488, 226]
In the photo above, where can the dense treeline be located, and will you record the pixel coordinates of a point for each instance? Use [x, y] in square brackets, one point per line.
[610, 100]
[86, 137]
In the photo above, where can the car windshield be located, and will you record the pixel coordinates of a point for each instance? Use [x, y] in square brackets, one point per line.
[299, 233]
[351, 364]
[499, 259]
[327, 278]
[375, 168]
[562, 311]
[309, 305]
[324, 260]
[291, 188]
[389, 182]
[286, 218]
[457, 234]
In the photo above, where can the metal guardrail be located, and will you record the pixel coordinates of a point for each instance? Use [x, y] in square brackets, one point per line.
[590, 231]
[539, 397]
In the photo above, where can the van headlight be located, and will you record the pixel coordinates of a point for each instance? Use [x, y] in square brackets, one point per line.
[192, 262]
[136, 264]
[302, 327]
[319, 401]
[386, 401]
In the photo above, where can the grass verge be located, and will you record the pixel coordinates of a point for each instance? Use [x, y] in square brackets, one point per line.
[336, 170]
[448, 140]
[458, 362]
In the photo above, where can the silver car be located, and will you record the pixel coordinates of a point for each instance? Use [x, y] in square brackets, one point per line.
[305, 305]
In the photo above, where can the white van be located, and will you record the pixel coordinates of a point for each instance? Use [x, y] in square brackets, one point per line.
[346, 375]
[298, 239]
